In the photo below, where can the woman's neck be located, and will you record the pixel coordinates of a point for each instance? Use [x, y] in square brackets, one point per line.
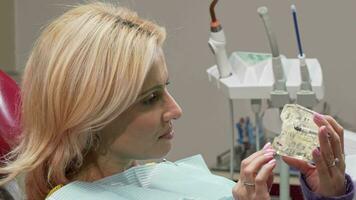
[97, 166]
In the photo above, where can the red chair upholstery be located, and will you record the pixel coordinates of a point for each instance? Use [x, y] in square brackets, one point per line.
[9, 112]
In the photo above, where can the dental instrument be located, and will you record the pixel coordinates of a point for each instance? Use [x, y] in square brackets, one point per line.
[305, 95]
[217, 43]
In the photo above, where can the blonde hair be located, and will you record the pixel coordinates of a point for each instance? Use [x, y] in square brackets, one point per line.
[86, 68]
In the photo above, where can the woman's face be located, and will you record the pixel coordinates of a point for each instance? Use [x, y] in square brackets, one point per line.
[145, 130]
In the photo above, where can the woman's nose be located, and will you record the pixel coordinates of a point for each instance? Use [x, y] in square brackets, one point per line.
[173, 110]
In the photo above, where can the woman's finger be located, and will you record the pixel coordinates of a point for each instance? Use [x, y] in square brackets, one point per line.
[333, 127]
[261, 179]
[337, 149]
[320, 120]
[326, 150]
[323, 171]
[248, 174]
[246, 162]
[338, 128]
[336, 139]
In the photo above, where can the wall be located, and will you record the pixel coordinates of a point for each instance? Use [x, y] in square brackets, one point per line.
[7, 38]
[327, 30]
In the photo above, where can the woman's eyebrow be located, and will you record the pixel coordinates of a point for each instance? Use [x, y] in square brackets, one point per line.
[160, 86]
[152, 89]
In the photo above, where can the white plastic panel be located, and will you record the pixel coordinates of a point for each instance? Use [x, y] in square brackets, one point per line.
[256, 81]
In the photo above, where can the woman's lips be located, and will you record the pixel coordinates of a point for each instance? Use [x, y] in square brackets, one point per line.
[168, 135]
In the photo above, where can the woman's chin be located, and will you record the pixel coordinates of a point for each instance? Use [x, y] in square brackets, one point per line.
[162, 152]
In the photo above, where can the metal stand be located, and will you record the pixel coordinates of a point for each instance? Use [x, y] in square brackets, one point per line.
[284, 181]
[284, 177]
[257, 121]
[232, 149]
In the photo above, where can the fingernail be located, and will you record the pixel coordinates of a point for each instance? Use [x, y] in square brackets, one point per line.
[267, 146]
[272, 162]
[318, 117]
[316, 152]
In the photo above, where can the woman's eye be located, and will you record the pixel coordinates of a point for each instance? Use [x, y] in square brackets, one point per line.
[152, 98]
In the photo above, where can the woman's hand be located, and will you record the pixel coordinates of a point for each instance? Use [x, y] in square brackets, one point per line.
[256, 176]
[327, 177]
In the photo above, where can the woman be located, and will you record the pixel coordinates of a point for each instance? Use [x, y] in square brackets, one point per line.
[95, 101]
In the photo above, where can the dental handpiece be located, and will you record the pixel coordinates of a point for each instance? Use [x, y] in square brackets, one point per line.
[276, 58]
[217, 43]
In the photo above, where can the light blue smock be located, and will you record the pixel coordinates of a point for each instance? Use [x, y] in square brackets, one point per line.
[186, 179]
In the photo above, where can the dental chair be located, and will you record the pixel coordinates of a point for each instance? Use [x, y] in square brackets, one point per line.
[10, 128]
[9, 113]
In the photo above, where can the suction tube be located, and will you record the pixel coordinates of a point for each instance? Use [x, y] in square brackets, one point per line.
[263, 12]
[276, 59]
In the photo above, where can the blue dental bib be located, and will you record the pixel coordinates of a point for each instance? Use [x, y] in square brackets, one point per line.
[186, 179]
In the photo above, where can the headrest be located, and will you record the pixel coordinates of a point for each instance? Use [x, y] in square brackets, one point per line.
[9, 112]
